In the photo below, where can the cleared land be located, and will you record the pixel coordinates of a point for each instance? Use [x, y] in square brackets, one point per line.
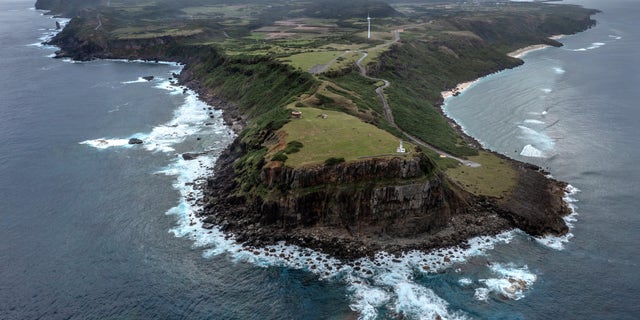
[305, 61]
[260, 55]
[337, 135]
[495, 177]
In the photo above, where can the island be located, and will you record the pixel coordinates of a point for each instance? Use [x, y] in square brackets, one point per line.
[342, 145]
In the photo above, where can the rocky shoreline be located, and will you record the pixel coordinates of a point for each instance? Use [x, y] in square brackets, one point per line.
[443, 215]
[536, 207]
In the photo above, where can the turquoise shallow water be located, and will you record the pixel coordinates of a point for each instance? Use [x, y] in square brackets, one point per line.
[92, 228]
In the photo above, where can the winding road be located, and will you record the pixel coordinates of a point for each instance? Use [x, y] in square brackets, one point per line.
[389, 114]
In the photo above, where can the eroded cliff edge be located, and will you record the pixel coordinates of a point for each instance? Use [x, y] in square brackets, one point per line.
[351, 209]
[355, 209]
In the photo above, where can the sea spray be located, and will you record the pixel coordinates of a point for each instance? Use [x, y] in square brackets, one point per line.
[558, 242]
[511, 282]
[384, 285]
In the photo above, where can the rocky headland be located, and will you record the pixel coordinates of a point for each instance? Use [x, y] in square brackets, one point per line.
[355, 209]
[348, 210]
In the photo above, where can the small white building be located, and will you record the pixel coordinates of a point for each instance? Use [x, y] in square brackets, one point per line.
[400, 148]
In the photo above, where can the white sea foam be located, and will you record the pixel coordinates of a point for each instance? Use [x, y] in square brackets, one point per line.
[69, 60]
[558, 70]
[615, 37]
[512, 282]
[465, 282]
[593, 46]
[481, 294]
[546, 90]
[139, 80]
[171, 87]
[537, 138]
[389, 280]
[385, 282]
[169, 63]
[533, 121]
[596, 45]
[418, 302]
[104, 143]
[50, 33]
[189, 119]
[532, 152]
[558, 243]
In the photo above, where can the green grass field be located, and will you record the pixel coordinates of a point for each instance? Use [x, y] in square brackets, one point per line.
[339, 135]
[495, 177]
[307, 60]
[153, 32]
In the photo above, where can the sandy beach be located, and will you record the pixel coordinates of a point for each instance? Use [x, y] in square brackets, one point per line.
[523, 51]
[515, 54]
[458, 89]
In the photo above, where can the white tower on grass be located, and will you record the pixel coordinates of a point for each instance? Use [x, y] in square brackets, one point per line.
[369, 26]
[401, 148]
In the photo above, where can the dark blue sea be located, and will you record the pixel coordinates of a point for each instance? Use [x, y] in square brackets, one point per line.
[94, 228]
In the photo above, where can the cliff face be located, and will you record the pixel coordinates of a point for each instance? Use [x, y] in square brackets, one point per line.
[366, 170]
[358, 208]
[67, 7]
[536, 205]
[348, 210]
[79, 48]
[385, 196]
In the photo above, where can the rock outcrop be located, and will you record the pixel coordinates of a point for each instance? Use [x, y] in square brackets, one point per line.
[358, 208]
[348, 210]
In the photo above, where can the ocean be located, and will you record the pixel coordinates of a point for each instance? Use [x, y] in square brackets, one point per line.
[94, 228]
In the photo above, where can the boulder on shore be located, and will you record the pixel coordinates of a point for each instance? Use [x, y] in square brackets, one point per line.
[190, 156]
[135, 141]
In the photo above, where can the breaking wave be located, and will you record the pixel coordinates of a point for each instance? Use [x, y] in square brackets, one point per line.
[593, 46]
[558, 243]
[539, 139]
[511, 282]
[383, 286]
[533, 121]
[532, 152]
[139, 80]
[50, 33]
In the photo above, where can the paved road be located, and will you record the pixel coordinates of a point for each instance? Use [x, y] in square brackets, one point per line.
[389, 114]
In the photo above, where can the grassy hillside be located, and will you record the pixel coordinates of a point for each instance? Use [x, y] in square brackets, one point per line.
[257, 54]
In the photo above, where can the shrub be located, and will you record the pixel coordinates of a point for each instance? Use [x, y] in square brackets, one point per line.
[293, 147]
[333, 161]
[279, 156]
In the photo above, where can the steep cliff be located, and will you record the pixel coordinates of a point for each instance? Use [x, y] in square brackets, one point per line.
[350, 209]
[358, 208]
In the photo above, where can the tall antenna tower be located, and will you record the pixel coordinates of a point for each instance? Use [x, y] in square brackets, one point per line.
[369, 26]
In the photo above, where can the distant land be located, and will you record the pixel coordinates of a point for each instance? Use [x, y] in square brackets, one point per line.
[342, 144]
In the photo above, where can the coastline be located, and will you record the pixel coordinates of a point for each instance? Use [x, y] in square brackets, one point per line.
[359, 271]
[518, 53]
[490, 216]
[482, 216]
[555, 242]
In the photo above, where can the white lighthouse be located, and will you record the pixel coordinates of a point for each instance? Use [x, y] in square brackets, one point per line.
[401, 148]
[369, 26]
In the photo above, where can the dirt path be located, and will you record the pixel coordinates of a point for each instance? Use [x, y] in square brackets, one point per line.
[389, 114]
